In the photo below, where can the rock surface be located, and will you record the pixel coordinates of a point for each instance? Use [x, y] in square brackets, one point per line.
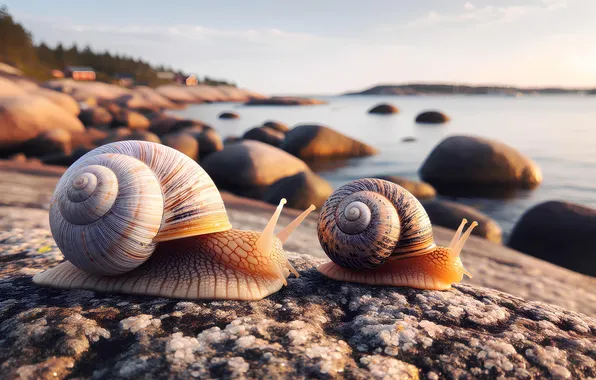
[313, 328]
[26, 189]
[96, 116]
[24, 117]
[450, 214]
[420, 190]
[559, 232]
[432, 117]
[301, 190]
[310, 142]
[277, 125]
[384, 109]
[265, 134]
[250, 165]
[469, 164]
[229, 115]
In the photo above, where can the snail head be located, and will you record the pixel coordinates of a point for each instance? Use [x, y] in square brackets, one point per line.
[270, 245]
[455, 247]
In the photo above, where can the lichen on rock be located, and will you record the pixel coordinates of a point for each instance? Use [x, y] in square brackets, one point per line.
[313, 328]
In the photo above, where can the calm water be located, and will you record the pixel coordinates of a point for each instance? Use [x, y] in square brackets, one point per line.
[558, 132]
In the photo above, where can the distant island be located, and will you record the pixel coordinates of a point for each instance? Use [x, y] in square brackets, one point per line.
[446, 89]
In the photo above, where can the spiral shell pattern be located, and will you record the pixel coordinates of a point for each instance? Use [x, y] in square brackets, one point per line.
[366, 221]
[115, 203]
[105, 212]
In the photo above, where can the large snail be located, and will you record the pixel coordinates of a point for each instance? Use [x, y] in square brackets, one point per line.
[137, 217]
[376, 232]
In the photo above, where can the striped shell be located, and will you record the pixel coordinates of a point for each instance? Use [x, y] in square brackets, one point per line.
[114, 204]
[366, 221]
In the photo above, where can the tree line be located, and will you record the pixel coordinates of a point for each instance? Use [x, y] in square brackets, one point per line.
[37, 61]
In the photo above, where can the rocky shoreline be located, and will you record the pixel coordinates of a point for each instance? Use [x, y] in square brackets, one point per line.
[518, 317]
[314, 327]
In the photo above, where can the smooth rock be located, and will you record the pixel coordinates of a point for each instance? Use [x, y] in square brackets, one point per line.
[317, 141]
[146, 97]
[209, 142]
[24, 117]
[83, 90]
[88, 138]
[562, 233]
[61, 159]
[232, 140]
[177, 94]
[130, 119]
[277, 125]
[265, 134]
[432, 117]
[300, 190]
[8, 69]
[182, 142]
[420, 190]
[10, 88]
[450, 214]
[54, 141]
[250, 165]
[384, 109]
[96, 117]
[466, 164]
[121, 134]
[229, 115]
[63, 100]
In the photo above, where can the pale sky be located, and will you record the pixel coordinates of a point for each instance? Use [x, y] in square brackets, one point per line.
[330, 47]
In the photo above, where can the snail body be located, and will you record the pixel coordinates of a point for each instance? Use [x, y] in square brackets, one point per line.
[137, 217]
[376, 232]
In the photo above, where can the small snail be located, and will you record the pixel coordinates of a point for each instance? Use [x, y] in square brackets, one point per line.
[376, 232]
[137, 217]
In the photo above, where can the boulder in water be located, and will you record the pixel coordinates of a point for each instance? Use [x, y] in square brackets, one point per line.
[450, 214]
[250, 165]
[562, 233]
[278, 126]
[432, 117]
[384, 109]
[300, 190]
[319, 142]
[462, 165]
[229, 115]
[420, 190]
[265, 134]
[182, 142]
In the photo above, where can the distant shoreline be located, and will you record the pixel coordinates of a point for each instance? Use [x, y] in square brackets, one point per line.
[452, 89]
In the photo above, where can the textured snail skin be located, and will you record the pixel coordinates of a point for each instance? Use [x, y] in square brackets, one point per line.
[433, 271]
[223, 265]
[136, 217]
[391, 245]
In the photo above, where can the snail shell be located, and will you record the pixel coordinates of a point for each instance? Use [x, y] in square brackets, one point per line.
[377, 232]
[114, 204]
[142, 218]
